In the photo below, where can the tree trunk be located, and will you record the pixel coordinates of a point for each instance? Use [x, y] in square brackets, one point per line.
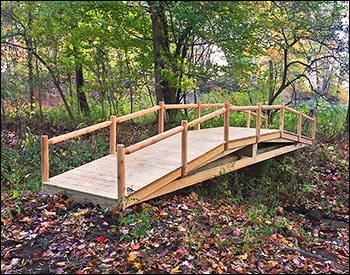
[82, 102]
[156, 38]
[29, 41]
[164, 90]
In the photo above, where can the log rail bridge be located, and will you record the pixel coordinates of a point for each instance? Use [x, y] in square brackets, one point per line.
[175, 158]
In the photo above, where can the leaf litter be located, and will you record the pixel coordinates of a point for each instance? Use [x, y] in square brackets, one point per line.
[181, 233]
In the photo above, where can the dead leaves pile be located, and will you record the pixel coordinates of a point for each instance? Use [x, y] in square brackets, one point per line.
[176, 234]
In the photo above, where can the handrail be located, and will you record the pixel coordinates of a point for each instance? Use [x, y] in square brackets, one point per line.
[80, 132]
[137, 114]
[142, 144]
[206, 117]
[179, 106]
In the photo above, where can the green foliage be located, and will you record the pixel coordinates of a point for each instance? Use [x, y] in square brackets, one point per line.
[138, 224]
[20, 168]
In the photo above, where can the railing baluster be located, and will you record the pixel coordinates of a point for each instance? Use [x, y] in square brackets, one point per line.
[282, 118]
[184, 144]
[299, 126]
[121, 170]
[258, 123]
[227, 125]
[113, 135]
[161, 117]
[199, 112]
[45, 158]
[248, 118]
[313, 130]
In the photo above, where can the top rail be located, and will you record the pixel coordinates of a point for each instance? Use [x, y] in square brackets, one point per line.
[179, 106]
[206, 117]
[80, 132]
[212, 105]
[138, 114]
[147, 142]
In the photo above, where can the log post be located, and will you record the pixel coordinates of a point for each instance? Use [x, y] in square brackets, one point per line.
[266, 121]
[299, 126]
[113, 135]
[282, 118]
[161, 117]
[258, 123]
[121, 170]
[248, 118]
[199, 112]
[44, 158]
[314, 130]
[226, 125]
[184, 144]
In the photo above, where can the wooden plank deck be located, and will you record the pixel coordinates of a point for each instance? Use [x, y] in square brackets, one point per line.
[147, 165]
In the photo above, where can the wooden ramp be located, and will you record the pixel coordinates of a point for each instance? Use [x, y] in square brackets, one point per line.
[173, 159]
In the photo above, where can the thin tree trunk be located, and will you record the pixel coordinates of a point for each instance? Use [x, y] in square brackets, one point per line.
[29, 41]
[82, 101]
[39, 88]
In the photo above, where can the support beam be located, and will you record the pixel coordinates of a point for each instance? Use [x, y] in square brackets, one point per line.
[216, 171]
[248, 151]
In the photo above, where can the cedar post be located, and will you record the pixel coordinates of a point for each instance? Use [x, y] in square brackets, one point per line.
[258, 123]
[314, 130]
[184, 143]
[282, 118]
[248, 118]
[121, 170]
[161, 117]
[113, 135]
[199, 111]
[226, 125]
[44, 158]
[299, 126]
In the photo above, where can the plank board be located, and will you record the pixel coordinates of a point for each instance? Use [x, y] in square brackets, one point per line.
[148, 165]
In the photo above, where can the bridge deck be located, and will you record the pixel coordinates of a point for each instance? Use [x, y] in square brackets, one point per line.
[176, 158]
[145, 166]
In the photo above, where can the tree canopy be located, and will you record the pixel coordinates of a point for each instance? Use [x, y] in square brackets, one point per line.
[171, 50]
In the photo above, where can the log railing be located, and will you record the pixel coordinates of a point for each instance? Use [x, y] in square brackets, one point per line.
[225, 108]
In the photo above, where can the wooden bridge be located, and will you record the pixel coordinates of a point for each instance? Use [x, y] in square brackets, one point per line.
[178, 157]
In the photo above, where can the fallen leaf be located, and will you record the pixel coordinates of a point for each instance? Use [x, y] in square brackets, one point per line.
[181, 228]
[137, 265]
[135, 246]
[132, 256]
[175, 270]
[100, 239]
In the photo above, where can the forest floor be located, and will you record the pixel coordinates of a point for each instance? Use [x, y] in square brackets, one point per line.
[186, 232]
